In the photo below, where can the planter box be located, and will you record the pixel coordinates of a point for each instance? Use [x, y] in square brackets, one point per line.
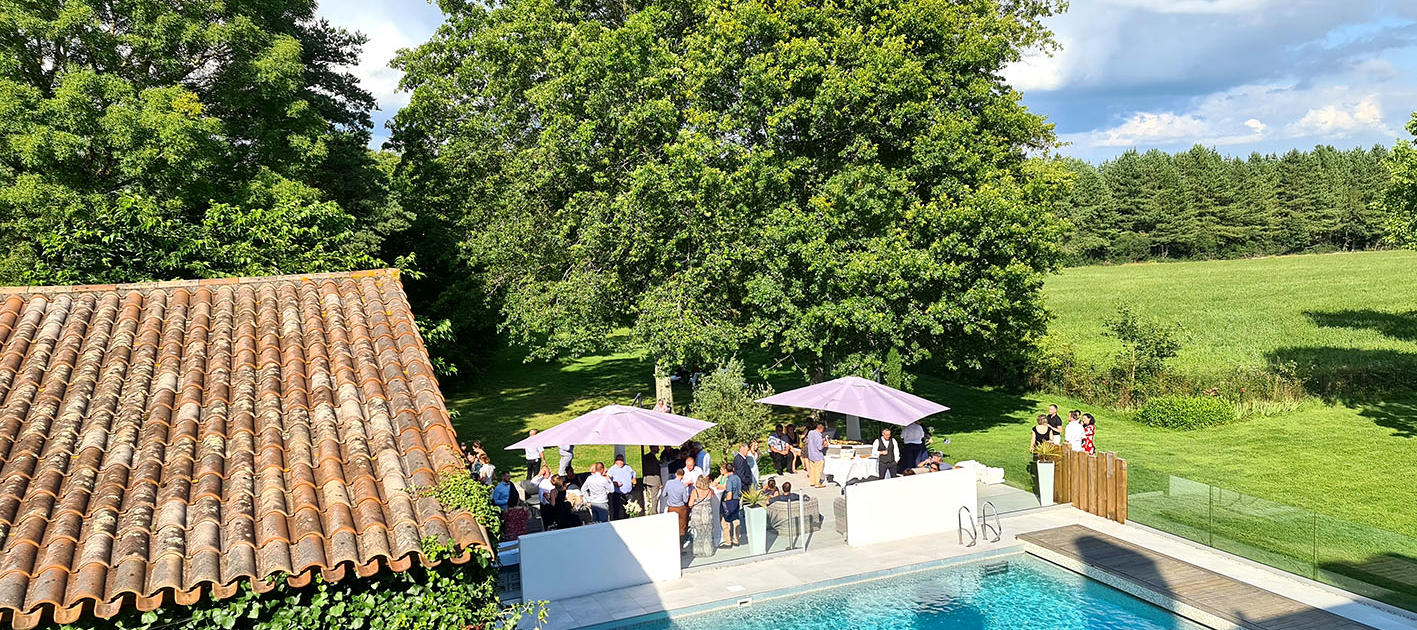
[755, 519]
[1045, 483]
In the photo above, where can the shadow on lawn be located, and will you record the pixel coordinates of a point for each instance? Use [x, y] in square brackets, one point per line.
[1400, 326]
[1366, 379]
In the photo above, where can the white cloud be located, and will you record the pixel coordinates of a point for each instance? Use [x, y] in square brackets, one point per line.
[389, 27]
[1151, 128]
[1340, 120]
[1256, 125]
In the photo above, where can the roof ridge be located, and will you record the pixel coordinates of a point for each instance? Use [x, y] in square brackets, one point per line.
[393, 272]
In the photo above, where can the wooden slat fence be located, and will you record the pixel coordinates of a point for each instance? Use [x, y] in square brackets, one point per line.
[1096, 484]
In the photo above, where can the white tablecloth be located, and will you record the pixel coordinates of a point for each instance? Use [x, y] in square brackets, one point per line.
[843, 470]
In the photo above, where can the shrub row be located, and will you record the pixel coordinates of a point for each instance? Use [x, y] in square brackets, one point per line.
[1186, 412]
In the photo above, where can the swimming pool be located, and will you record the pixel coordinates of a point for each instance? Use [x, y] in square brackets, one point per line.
[1011, 592]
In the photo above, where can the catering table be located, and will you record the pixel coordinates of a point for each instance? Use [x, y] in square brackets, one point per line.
[843, 471]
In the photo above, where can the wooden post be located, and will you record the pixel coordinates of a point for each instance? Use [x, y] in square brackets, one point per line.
[1109, 485]
[1122, 488]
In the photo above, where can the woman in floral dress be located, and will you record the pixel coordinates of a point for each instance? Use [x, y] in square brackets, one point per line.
[1089, 429]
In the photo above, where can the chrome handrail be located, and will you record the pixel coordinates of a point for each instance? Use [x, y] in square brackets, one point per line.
[973, 532]
[997, 527]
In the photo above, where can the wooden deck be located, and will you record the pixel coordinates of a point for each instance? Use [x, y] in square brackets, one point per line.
[1242, 604]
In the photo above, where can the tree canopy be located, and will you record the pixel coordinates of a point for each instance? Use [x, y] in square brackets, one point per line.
[829, 180]
[1400, 198]
[144, 140]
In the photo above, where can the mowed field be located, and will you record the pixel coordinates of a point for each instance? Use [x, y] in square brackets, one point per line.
[1354, 460]
[1319, 311]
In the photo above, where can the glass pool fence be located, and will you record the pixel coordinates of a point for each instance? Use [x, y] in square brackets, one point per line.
[1361, 558]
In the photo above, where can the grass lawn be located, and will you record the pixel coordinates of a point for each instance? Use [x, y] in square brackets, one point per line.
[1330, 315]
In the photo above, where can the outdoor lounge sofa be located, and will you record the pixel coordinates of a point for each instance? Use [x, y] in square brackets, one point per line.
[782, 516]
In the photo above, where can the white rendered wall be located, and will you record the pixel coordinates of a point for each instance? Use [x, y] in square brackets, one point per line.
[593, 558]
[906, 507]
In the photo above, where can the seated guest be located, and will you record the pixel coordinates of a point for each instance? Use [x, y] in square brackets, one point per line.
[781, 452]
[786, 494]
[936, 463]
[676, 500]
[770, 490]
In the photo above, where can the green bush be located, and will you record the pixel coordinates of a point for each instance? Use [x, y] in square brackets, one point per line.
[1186, 412]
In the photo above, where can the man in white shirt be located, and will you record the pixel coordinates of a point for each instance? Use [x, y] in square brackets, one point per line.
[533, 457]
[913, 435]
[1073, 434]
[566, 452]
[597, 490]
[623, 478]
[887, 452]
[691, 471]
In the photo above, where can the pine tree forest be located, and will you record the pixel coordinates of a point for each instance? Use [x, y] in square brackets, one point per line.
[1199, 204]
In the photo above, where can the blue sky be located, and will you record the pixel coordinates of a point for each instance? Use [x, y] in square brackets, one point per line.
[1238, 75]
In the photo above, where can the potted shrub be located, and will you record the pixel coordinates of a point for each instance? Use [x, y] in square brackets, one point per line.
[1048, 454]
[755, 519]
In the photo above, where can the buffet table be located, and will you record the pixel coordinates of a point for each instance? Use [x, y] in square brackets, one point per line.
[843, 471]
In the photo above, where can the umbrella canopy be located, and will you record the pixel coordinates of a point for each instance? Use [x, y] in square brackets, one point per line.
[856, 396]
[618, 424]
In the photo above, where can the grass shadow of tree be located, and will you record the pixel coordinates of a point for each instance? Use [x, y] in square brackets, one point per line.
[1401, 326]
[1377, 382]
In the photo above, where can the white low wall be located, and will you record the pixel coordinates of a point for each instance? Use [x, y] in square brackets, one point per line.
[593, 558]
[906, 507]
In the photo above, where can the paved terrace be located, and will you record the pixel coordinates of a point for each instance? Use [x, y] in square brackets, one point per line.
[822, 567]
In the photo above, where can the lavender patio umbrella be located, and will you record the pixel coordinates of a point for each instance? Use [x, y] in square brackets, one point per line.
[856, 396]
[618, 424]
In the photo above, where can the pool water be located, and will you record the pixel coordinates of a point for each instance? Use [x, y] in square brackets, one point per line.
[1014, 592]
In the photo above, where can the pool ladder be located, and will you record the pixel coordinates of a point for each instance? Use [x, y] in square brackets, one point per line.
[966, 515]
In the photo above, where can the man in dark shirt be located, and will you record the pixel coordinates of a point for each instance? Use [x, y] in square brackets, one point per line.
[743, 467]
[649, 468]
[1054, 420]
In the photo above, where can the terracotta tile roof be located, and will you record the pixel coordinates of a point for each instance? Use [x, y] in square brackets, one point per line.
[158, 440]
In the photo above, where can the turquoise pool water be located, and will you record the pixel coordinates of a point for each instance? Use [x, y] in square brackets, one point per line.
[1014, 592]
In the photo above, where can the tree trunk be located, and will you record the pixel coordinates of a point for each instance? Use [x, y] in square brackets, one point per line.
[663, 389]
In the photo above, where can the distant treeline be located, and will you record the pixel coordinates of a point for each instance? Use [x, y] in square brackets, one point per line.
[1199, 204]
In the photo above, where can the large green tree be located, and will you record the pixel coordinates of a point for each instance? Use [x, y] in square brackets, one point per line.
[143, 140]
[1400, 198]
[827, 179]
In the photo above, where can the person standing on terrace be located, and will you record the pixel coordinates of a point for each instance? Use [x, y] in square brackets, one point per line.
[913, 435]
[676, 500]
[623, 478]
[597, 490]
[691, 471]
[651, 479]
[816, 455]
[742, 467]
[567, 453]
[533, 457]
[887, 452]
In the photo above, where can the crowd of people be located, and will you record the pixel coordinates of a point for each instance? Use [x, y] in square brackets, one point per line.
[682, 480]
[1079, 431]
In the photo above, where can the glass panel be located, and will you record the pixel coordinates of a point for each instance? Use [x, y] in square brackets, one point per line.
[1275, 534]
[1175, 505]
[1369, 561]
